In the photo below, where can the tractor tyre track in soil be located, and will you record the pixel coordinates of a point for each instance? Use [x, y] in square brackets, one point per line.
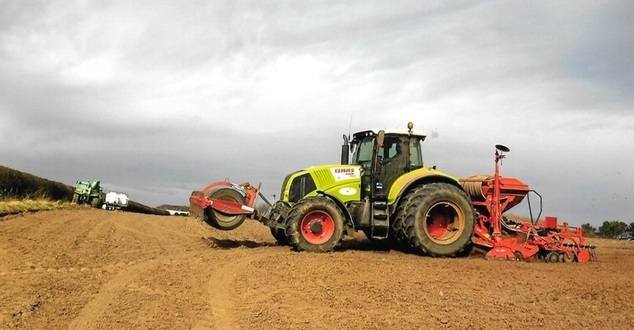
[220, 290]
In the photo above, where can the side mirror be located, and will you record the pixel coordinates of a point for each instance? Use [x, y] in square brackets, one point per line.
[380, 138]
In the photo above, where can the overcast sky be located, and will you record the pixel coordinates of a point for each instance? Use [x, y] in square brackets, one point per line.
[157, 98]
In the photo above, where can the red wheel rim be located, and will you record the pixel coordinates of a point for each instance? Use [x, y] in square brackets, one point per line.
[444, 222]
[317, 227]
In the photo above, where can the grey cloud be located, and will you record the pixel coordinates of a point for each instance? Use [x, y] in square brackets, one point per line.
[605, 53]
[159, 98]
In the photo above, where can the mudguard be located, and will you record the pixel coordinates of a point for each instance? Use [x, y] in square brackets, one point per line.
[420, 175]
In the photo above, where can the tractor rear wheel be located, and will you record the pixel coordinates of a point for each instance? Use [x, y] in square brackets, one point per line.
[221, 220]
[438, 220]
[398, 226]
[315, 224]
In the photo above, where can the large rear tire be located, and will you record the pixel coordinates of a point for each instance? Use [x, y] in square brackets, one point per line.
[315, 224]
[438, 220]
[398, 226]
[221, 220]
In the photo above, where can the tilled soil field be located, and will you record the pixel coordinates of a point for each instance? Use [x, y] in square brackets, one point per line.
[85, 269]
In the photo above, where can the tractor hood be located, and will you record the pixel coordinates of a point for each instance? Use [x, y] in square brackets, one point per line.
[340, 181]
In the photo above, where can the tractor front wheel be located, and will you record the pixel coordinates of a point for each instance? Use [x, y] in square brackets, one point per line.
[280, 236]
[315, 224]
[438, 220]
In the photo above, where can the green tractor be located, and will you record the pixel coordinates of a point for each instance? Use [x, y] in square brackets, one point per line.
[88, 192]
[384, 191]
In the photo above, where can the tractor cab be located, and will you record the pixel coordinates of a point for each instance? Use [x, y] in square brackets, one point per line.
[383, 157]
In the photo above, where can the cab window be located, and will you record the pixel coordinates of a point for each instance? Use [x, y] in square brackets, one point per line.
[363, 153]
[390, 149]
[415, 154]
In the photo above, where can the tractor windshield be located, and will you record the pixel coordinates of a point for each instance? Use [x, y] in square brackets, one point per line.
[363, 153]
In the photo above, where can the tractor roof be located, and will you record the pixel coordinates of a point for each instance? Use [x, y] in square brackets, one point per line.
[395, 131]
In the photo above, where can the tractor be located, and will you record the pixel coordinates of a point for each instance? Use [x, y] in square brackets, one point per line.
[382, 188]
[88, 192]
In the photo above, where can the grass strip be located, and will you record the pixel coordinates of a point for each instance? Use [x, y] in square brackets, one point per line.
[16, 206]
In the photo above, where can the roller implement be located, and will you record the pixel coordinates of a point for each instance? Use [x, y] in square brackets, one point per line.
[382, 188]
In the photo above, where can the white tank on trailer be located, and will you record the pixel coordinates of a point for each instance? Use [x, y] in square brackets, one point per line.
[111, 197]
[116, 200]
[123, 200]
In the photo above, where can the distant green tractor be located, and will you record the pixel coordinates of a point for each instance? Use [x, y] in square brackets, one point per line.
[88, 192]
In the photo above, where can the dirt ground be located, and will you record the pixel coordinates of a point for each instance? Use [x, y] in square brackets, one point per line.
[86, 269]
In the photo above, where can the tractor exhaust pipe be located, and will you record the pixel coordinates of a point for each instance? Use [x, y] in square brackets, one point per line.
[345, 150]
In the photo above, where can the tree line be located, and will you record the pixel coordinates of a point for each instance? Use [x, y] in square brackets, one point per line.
[609, 229]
